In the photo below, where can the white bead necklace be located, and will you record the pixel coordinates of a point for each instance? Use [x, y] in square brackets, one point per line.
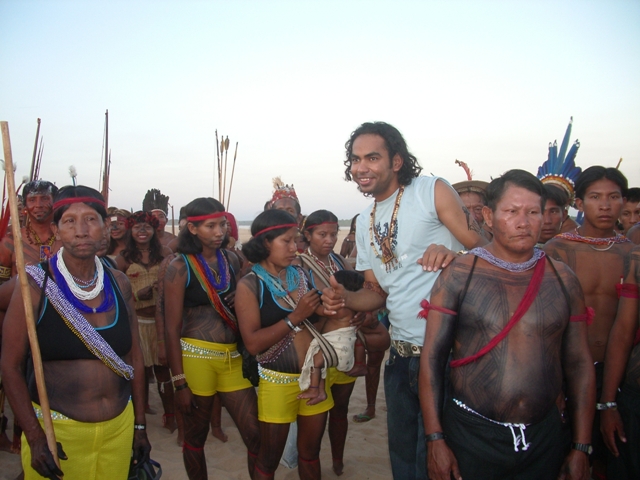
[78, 292]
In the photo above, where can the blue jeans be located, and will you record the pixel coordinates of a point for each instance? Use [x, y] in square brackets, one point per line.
[407, 448]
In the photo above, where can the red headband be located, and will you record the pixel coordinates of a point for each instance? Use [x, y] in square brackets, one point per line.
[275, 227]
[200, 218]
[67, 201]
[309, 227]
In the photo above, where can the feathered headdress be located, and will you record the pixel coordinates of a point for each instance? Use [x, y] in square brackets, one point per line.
[560, 169]
[142, 217]
[281, 190]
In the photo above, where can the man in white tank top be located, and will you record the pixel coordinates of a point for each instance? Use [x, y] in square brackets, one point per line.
[403, 239]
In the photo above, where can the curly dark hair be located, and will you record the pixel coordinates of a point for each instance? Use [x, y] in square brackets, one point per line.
[188, 243]
[131, 253]
[394, 143]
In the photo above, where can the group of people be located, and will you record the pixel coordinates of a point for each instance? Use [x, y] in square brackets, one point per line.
[513, 344]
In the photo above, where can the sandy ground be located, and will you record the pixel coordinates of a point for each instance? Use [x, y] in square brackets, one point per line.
[366, 455]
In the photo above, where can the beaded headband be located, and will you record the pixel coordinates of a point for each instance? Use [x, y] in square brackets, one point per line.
[275, 227]
[70, 200]
[159, 210]
[309, 227]
[200, 218]
[142, 217]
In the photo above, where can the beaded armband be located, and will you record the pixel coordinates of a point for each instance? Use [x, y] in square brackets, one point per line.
[5, 272]
[376, 288]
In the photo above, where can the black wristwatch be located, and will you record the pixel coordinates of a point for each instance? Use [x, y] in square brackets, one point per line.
[583, 447]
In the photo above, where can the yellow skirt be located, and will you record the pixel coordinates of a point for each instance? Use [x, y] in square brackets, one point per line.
[95, 451]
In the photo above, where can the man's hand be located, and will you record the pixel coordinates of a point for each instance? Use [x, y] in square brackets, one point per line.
[334, 297]
[42, 460]
[610, 424]
[436, 257]
[184, 401]
[441, 462]
[141, 447]
[575, 467]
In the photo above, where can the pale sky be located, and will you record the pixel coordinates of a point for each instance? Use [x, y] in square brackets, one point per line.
[487, 82]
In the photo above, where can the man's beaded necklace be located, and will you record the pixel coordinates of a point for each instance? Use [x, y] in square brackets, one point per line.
[387, 254]
[45, 247]
[510, 266]
[591, 241]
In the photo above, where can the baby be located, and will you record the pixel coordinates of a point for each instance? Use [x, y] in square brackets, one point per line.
[342, 336]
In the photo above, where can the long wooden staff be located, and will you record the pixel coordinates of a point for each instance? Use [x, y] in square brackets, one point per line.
[233, 169]
[26, 296]
[35, 148]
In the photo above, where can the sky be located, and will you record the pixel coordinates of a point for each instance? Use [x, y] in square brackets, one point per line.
[490, 83]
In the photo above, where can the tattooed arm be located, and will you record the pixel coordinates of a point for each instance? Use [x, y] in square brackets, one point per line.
[159, 316]
[580, 375]
[439, 337]
[619, 347]
[455, 216]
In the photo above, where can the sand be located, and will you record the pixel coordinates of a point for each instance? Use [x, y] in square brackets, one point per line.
[366, 455]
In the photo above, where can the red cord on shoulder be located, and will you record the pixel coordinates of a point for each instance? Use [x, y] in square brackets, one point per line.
[426, 306]
[627, 290]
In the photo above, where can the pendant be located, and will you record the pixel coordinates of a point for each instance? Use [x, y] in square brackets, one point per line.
[45, 252]
[387, 251]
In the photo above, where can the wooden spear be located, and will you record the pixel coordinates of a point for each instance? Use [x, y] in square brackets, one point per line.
[26, 296]
[224, 175]
[218, 168]
[233, 169]
[35, 148]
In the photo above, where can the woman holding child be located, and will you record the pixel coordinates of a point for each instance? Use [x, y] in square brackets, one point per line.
[273, 303]
[319, 260]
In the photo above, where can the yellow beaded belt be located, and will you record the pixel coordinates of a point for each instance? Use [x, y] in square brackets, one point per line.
[193, 351]
[277, 377]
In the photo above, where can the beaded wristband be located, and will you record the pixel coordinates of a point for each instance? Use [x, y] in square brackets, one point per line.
[175, 378]
[139, 426]
[434, 436]
[606, 406]
[181, 387]
[293, 327]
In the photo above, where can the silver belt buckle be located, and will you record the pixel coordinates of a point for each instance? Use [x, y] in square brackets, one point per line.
[406, 349]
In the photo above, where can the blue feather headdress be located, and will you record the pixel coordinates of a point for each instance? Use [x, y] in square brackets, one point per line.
[560, 169]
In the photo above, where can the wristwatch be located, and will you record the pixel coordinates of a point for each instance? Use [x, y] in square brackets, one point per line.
[583, 447]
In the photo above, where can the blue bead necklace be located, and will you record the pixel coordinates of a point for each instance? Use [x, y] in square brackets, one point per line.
[274, 283]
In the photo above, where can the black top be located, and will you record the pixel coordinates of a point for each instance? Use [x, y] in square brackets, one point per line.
[195, 295]
[58, 342]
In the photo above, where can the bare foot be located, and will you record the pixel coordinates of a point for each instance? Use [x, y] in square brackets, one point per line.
[358, 370]
[169, 422]
[5, 443]
[219, 434]
[315, 395]
[338, 466]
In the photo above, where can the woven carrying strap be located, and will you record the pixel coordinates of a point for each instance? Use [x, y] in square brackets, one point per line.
[79, 325]
[528, 298]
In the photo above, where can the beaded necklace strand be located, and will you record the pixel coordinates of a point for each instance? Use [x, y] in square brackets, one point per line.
[591, 241]
[329, 269]
[510, 266]
[274, 283]
[389, 258]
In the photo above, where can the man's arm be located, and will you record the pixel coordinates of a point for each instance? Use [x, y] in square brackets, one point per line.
[369, 298]
[581, 383]
[619, 347]
[438, 340]
[455, 216]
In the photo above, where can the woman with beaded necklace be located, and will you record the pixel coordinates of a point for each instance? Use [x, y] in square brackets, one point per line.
[202, 335]
[273, 303]
[319, 260]
[140, 261]
[88, 335]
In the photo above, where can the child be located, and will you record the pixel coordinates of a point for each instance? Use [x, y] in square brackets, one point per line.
[342, 336]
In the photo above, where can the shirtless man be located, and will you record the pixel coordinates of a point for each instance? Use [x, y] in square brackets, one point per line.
[164, 236]
[39, 242]
[630, 214]
[555, 212]
[501, 420]
[620, 410]
[596, 253]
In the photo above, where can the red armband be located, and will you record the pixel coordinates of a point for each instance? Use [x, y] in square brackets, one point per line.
[627, 290]
[586, 317]
[426, 306]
